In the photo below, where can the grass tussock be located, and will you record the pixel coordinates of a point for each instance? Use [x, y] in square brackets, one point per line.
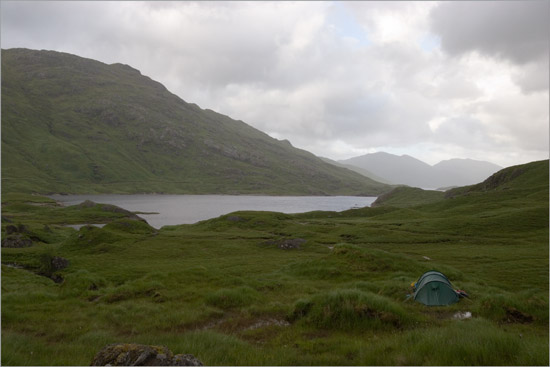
[82, 282]
[476, 342]
[135, 289]
[89, 236]
[351, 310]
[522, 307]
[228, 298]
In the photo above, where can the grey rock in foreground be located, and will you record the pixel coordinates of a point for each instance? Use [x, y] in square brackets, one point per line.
[141, 355]
[59, 263]
[17, 241]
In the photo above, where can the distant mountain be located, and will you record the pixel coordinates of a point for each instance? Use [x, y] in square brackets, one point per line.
[461, 172]
[403, 169]
[359, 170]
[76, 125]
[410, 171]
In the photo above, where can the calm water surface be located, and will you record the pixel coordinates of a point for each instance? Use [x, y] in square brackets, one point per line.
[187, 209]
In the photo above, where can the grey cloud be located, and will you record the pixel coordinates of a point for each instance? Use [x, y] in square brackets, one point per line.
[45, 24]
[513, 30]
[202, 43]
[533, 77]
[464, 131]
[283, 68]
[524, 127]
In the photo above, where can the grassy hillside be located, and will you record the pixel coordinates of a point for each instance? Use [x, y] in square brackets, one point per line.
[405, 196]
[76, 125]
[261, 288]
[513, 183]
[527, 177]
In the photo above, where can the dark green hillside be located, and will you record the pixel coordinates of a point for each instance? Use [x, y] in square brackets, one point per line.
[527, 177]
[404, 196]
[76, 125]
[516, 183]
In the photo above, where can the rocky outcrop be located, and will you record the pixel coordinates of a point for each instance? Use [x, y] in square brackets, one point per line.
[142, 355]
[59, 263]
[50, 266]
[17, 241]
[20, 228]
[287, 244]
[18, 236]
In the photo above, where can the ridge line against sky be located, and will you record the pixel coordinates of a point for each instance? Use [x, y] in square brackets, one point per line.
[434, 80]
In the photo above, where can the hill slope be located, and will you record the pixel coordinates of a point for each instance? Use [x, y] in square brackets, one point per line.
[517, 184]
[407, 170]
[76, 125]
[530, 178]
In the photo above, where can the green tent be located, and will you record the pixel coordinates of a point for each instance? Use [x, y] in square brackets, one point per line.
[434, 289]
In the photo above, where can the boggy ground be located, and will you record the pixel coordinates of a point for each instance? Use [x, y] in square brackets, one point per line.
[226, 291]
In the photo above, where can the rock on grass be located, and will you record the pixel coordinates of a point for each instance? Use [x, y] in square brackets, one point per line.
[142, 355]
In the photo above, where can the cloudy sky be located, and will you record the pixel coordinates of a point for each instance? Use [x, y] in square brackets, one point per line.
[340, 79]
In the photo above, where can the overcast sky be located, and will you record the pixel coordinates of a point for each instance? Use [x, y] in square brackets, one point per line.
[340, 79]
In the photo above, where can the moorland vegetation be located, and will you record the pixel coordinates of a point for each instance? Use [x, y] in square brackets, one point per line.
[227, 291]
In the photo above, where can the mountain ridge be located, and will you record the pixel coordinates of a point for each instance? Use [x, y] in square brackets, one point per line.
[410, 171]
[77, 125]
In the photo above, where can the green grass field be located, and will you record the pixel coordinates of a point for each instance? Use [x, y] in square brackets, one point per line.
[224, 291]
